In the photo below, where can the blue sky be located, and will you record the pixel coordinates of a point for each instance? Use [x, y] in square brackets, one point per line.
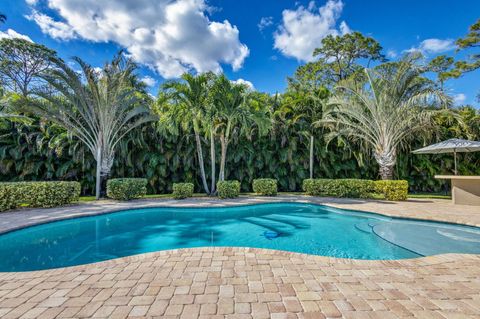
[168, 37]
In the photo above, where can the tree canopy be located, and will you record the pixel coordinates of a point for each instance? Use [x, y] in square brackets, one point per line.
[348, 114]
[22, 63]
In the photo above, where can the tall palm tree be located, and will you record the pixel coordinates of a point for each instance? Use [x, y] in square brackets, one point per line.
[236, 115]
[99, 108]
[191, 97]
[394, 106]
[306, 104]
[212, 124]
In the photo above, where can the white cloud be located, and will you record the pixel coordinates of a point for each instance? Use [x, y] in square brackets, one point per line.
[56, 29]
[437, 45]
[434, 46]
[11, 34]
[148, 80]
[392, 54]
[245, 82]
[459, 99]
[169, 36]
[344, 28]
[265, 22]
[303, 29]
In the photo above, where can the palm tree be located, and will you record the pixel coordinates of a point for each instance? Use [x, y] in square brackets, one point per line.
[3, 18]
[212, 124]
[306, 105]
[236, 115]
[99, 108]
[191, 97]
[394, 106]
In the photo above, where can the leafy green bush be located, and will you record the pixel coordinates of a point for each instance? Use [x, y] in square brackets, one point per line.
[126, 188]
[357, 188]
[9, 196]
[392, 190]
[265, 186]
[228, 189]
[353, 188]
[182, 190]
[38, 194]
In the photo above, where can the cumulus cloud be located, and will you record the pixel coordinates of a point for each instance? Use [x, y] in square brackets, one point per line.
[245, 82]
[56, 29]
[459, 99]
[303, 29]
[265, 22]
[434, 46]
[437, 45]
[170, 37]
[11, 34]
[148, 80]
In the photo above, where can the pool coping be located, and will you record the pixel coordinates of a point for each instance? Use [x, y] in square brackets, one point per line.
[369, 264]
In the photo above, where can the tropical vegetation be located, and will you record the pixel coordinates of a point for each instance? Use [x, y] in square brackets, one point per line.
[348, 114]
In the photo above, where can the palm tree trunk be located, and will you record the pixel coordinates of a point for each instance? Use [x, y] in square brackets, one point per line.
[386, 172]
[98, 177]
[386, 161]
[311, 156]
[212, 160]
[200, 160]
[223, 157]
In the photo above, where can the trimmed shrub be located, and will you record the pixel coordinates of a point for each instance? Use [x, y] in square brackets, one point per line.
[38, 194]
[126, 188]
[9, 196]
[353, 188]
[228, 189]
[265, 186]
[392, 190]
[357, 188]
[182, 190]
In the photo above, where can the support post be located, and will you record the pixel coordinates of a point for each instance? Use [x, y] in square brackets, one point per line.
[455, 160]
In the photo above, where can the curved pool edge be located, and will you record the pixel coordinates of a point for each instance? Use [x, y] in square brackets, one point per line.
[202, 203]
[255, 252]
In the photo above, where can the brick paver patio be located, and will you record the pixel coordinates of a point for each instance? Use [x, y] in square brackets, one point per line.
[248, 283]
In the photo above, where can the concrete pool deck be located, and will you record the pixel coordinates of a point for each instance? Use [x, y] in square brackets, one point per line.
[245, 282]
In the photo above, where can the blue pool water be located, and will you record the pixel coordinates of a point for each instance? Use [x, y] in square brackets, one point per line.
[296, 227]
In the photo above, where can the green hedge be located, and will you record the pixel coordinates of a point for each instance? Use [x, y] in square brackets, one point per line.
[265, 186]
[392, 190]
[37, 194]
[182, 190]
[357, 188]
[353, 188]
[126, 188]
[228, 189]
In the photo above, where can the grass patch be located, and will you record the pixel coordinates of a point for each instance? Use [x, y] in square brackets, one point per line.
[169, 196]
[430, 196]
[86, 198]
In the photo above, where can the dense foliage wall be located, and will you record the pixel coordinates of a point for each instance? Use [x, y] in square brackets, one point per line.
[45, 152]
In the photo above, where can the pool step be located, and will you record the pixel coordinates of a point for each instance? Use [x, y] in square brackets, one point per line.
[364, 226]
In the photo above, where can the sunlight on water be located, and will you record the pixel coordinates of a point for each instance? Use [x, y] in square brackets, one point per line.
[295, 227]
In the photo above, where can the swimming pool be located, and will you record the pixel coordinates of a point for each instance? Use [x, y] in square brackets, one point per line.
[295, 227]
